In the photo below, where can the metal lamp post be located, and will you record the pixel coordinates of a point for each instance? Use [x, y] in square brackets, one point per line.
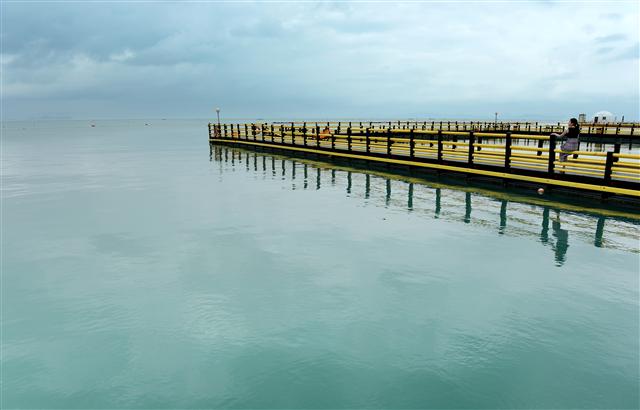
[219, 128]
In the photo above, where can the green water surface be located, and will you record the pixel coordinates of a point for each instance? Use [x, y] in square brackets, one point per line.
[142, 270]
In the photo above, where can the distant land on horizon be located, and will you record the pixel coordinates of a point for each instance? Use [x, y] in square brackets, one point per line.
[506, 118]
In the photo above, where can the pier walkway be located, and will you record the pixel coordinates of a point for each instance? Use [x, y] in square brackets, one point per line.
[628, 131]
[518, 157]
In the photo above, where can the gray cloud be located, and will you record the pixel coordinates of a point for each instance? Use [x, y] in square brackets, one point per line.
[604, 50]
[96, 30]
[316, 59]
[259, 29]
[630, 53]
[610, 38]
[612, 16]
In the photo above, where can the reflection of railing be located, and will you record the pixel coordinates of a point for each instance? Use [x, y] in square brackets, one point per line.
[551, 223]
[502, 155]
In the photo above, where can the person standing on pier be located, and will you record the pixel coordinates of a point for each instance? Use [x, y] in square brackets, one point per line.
[572, 134]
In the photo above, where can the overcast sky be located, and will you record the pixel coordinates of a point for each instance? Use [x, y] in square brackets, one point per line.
[526, 59]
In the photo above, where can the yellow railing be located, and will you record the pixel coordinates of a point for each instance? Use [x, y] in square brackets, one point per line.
[510, 152]
[607, 129]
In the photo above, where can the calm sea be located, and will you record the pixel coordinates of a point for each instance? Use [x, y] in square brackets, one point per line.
[141, 269]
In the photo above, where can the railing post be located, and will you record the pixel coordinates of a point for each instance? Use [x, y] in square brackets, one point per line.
[262, 131]
[304, 134]
[246, 132]
[226, 134]
[507, 152]
[368, 141]
[238, 128]
[608, 167]
[412, 144]
[349, 138]
[272, 133]
[333, 140]
[616, 150]
[389, 142]
[552, 154]
[472, 140]
[293, 134]
[317, 135]
[540, 145]
[282, 133]
[253, 131]
[440, 145]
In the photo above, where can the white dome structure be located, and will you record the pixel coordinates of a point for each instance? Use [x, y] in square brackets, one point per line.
[604, 116]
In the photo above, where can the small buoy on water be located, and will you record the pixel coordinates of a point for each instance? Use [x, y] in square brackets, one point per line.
[540, 191]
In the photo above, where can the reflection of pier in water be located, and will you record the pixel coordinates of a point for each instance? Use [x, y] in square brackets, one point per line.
[550, 222]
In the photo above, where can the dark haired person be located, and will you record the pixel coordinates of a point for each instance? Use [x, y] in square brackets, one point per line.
[572, 134]
[326, 133]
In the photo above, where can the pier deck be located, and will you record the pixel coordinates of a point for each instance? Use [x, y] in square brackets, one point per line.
[516, 156]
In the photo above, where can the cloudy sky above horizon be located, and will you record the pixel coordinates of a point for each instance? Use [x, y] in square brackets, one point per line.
[526, 60]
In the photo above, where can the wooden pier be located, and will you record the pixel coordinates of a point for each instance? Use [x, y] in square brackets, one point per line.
[513, 155]
[627, 131]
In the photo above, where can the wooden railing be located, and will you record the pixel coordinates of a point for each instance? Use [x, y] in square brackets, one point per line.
[519, 155]
[608, 129]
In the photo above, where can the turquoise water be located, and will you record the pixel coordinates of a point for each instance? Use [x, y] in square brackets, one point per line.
[142, 270]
